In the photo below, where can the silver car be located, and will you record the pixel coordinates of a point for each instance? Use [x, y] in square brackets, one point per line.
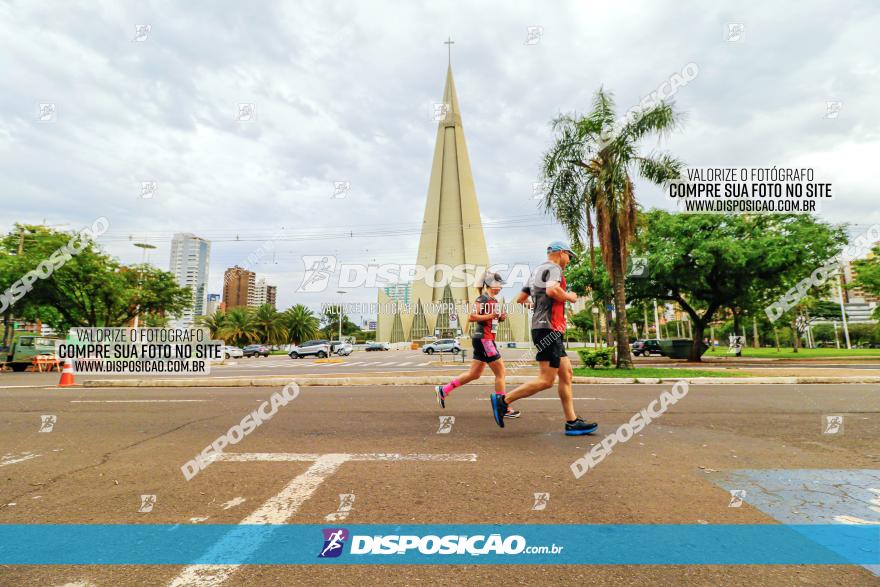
[232, 352]
[444, 345]
[311, 348]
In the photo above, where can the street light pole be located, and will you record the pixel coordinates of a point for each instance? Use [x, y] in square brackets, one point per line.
[656, 320]
[144, 247]
[843, 314]
[340, 292]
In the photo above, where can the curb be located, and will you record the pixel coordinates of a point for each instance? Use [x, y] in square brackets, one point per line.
[439, 379]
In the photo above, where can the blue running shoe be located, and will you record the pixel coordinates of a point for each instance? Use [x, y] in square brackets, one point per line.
[441, 395]
[579, 428]
[499, 408]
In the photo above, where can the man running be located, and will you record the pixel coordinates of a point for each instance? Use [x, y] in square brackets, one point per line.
[486, 315]
[546, 287]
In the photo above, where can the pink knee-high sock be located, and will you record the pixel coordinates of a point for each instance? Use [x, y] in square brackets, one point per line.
[450, 386]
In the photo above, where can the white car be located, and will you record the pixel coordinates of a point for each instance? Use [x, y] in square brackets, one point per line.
[311, 348]
[232, 352]
[343, 349]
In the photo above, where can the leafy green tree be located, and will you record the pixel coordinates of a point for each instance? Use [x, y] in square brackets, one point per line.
[868, 275]
[213, 322]
[587, 279]
[269, 325]
[330, 321]
[588, 173]
[239, 327]
[89, 288]
[705, 262]
[301, 324]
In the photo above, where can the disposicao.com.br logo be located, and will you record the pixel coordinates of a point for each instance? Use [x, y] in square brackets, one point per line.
[452, 544]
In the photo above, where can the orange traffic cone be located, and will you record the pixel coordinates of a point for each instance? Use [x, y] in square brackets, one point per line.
[67, 374]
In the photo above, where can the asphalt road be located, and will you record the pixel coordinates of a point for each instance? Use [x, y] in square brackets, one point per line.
[108, 447]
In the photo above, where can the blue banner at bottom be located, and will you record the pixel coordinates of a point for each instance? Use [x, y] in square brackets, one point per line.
[601, 544]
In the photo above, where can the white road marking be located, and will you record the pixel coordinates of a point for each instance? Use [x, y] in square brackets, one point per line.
[11, 459]
[133, 401]
[280, 508]
[307, 457]
[405, 363]
[277, 510]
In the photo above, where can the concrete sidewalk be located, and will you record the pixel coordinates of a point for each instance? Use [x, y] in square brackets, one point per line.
[271, 381]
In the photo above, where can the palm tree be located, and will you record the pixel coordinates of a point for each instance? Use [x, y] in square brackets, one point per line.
[214, 323]
[239, 327]
[268, 325]
[301, 324]
[589, 188]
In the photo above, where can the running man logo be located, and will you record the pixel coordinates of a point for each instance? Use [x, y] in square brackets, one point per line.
[541, 500]
[147, 503]
[319, 268]
[833, 425]
[334, 540]
[47, 423]
[346, 502]
[446, 423]
[638, 267]
[736, 498]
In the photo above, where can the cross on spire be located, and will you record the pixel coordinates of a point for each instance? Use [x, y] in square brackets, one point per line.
[449, 43]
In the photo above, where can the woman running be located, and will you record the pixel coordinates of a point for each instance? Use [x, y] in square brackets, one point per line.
[486, 315]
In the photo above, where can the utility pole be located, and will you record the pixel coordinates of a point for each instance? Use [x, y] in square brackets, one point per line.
[144, 247]
[656, 320]
[340, 292]
[843, 314]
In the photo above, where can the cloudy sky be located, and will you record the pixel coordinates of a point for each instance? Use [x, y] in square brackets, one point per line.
[343, 91]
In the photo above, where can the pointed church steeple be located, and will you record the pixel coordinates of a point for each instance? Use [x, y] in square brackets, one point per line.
[452, 232]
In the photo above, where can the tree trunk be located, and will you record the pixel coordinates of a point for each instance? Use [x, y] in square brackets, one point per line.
[795, 339]
[609, 334]
[696, 355]
[755, 341]
[7, 329]
[624, 358]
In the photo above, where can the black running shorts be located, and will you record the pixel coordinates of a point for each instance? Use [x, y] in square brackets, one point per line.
[550, 346]
[485, 351]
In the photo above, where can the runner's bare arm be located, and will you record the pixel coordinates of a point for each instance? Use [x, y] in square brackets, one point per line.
[555, 291]
[478, 316]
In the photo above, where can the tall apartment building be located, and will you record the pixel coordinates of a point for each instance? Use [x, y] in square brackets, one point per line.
[190, 259]
[264, 294]
[214, 304]
[857, 294]
[239, 287]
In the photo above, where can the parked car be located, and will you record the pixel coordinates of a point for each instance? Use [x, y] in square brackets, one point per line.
[232, 352]
[311, 348]
[255, 350]
[646, 347]
[444, 345]
[377, 346]
[343, 349]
